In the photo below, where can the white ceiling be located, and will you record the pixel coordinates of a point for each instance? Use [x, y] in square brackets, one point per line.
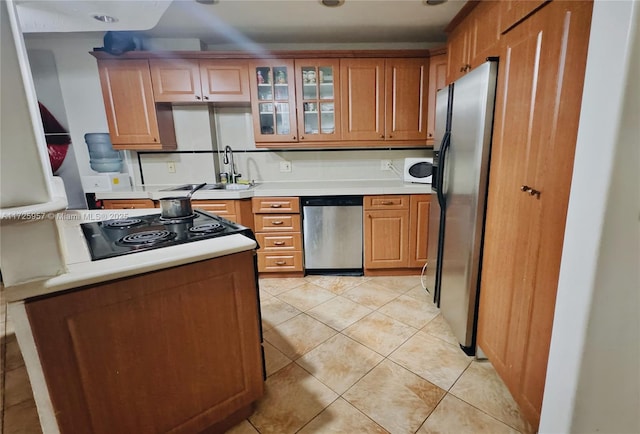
[241, 21]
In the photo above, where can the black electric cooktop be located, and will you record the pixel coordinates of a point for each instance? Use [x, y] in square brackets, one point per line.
[110, 238]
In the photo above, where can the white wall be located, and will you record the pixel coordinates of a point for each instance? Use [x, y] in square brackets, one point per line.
[47, 84]
[593, 377]
[23, 164]
[80, 86]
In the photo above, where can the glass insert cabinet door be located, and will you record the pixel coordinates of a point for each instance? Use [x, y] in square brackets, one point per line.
[273, 100]
[317, 88]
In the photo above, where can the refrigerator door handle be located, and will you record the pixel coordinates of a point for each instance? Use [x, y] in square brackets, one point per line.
[441, 164]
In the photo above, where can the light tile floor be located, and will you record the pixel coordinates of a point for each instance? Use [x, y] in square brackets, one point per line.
[343, 355]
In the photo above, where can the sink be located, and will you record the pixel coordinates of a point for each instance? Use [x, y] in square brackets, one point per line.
[236, 186]
[217, 186]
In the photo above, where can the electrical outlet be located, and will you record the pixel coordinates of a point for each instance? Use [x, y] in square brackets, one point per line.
[386, 164]
[171, 167]
[285, 166]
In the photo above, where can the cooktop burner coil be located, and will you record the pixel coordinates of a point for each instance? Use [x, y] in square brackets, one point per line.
[207, 228]
[122, 223]
[144, 238]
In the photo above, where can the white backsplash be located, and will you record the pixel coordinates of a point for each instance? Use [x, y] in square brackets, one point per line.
[197, 129]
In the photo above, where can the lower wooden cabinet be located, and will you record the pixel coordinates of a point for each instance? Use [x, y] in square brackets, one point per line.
[176, 350]
[395, 231]
[236, 210]
[127, 203]
[419, 207]
[278, 231]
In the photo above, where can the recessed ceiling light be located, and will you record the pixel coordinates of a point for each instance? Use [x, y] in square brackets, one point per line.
[105, 18]
[332, 3]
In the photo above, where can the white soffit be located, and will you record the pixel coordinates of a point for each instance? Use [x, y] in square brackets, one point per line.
[50, 16]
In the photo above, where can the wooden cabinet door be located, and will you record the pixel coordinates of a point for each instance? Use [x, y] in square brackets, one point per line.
[537, 112]
[458, 48]
[418, 229]
[224, 80]
[386, 234]
[175, 350]
[484, 28]
[175, 80]
[406, 99]
[318, 99]
[131, 113]
[437, 80]
[512, 11]
[363, 99]
[273, 101]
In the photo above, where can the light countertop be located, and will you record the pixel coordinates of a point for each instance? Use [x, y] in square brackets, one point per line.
[82, 271]
[280, 188]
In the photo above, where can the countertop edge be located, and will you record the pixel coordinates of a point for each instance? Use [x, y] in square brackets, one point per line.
[293, 188]
[83, 274]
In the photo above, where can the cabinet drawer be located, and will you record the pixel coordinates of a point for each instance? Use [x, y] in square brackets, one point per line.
[221, 207]
[268, 205]
[127, 203]
[279, 262]
[277, 242]
[279, 223]
[386, 202]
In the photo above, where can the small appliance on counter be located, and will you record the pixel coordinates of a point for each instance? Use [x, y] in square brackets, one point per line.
[110, 238]
[418, 170]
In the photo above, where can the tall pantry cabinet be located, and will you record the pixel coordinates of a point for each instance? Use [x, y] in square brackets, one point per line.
[542, 63]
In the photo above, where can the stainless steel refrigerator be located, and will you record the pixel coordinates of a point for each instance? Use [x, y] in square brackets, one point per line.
[464, 120]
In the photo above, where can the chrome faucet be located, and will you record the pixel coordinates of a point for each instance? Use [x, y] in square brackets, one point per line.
[228, 159]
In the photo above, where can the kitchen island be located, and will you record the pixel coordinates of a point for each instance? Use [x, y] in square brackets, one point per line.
[163, 340]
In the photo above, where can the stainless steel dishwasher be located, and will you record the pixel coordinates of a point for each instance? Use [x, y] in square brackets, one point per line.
[332, 231]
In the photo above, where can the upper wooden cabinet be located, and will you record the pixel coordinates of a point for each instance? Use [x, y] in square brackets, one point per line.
[318, 99]
[273, 101]
[135, 121]
[513, 11]
[406, 99]
[296, 101]
[474, 39]
[322, 100]
[186, 80]
[384, 99]
[437, 81]
[362, 99]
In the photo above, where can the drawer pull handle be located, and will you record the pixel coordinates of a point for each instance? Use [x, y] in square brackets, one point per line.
[387, 202]
[281, 262]
[278, 243]
[277, 222]
[275, 205]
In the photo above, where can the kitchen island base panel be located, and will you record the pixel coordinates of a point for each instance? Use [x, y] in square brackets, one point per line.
[172, 350]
